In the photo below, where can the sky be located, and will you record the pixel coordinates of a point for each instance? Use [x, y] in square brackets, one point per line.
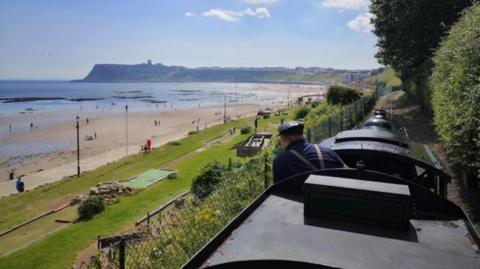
[63, 39]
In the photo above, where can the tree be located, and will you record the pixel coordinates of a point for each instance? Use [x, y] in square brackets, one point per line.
[409, 32]
[341, 95]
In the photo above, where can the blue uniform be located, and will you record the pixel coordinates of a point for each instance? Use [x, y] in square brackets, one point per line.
[19, 185]
[286, 164]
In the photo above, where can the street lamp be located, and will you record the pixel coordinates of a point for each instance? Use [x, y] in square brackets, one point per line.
[78, 146]
[126, 129]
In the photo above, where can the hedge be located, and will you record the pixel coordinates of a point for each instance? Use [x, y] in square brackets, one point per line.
[455, 87]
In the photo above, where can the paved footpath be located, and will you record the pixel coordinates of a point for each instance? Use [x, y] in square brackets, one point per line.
[36, 179]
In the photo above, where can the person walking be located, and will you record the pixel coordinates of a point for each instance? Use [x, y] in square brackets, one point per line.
[20, 186]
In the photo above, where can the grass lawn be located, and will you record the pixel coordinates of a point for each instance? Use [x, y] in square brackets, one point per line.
[388, 77]
[23, 206]
[59, 250]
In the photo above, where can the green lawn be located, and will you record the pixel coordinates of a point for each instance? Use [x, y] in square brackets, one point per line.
[18, 208]
[60, 249]
[388, 77]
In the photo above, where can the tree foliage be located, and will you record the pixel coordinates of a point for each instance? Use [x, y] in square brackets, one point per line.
[341, 95]
[455, 86]
[409, 32]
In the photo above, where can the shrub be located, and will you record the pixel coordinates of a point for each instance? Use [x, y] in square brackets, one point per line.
[455, 87]
[341, 95]
[192, 132]
[90, 207]
[302, 112]
[210, 176]
[246, 130]
[174, 143]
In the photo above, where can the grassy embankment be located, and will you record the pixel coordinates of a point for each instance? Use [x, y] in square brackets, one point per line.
[387, 77]
[60, 249]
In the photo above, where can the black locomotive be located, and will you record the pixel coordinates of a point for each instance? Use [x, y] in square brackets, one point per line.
[389, 210]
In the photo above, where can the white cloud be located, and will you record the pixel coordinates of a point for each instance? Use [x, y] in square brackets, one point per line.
[231, 15]
[346, 4]
[262, 12]
[361, 23]
[257, 2]
[223, 14]
[189, 14]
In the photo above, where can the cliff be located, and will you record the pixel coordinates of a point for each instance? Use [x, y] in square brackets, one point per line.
[162, 73]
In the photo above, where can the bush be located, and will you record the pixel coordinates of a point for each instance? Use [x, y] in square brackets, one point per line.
[174, 143]
[210, 176]
[302, 112]
[90, 207]
[341, 95]
[455, 87]
[192, 132]
[246, 130]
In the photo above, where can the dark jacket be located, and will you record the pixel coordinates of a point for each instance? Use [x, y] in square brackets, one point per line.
[286, 164]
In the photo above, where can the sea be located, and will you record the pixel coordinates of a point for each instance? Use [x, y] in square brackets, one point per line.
[31, 99]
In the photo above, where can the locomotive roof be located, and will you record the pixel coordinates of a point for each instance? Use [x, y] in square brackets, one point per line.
[275, 228]
[370, 134]
[277, 231]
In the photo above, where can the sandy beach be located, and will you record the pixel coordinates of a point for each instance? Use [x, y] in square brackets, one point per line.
[111, 134]
[109, 128]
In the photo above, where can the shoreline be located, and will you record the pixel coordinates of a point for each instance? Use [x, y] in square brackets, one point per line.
[109, 128]
[54, 166]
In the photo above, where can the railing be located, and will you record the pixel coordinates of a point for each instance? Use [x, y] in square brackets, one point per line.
[346, 118]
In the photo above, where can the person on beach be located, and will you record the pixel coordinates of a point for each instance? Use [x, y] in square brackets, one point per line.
[20, 186]
[10, 128]
[87, 120]
[31, 126]
[155, 123]
[11, 175]
[95, 135]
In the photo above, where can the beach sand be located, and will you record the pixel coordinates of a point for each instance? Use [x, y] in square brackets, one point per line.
[110, 143]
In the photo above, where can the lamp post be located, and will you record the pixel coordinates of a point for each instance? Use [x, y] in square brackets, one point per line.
[78, 146]
[126, 129]
[225, 110]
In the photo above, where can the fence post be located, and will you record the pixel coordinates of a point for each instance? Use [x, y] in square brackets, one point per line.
[121, 253]
[148, 221]
[265, 170]
[329, 126]
[341, 120]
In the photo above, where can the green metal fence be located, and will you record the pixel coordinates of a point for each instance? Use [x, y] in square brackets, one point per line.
[346, 118]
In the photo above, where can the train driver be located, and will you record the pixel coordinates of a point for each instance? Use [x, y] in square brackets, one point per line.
[299, 156]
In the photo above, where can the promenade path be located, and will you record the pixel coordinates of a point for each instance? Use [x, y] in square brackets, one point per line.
[54, 174]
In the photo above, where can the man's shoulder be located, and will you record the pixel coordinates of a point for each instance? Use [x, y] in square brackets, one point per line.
[325, 148]
[281, 155]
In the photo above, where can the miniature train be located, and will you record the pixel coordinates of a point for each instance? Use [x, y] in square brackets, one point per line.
[389, 210]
